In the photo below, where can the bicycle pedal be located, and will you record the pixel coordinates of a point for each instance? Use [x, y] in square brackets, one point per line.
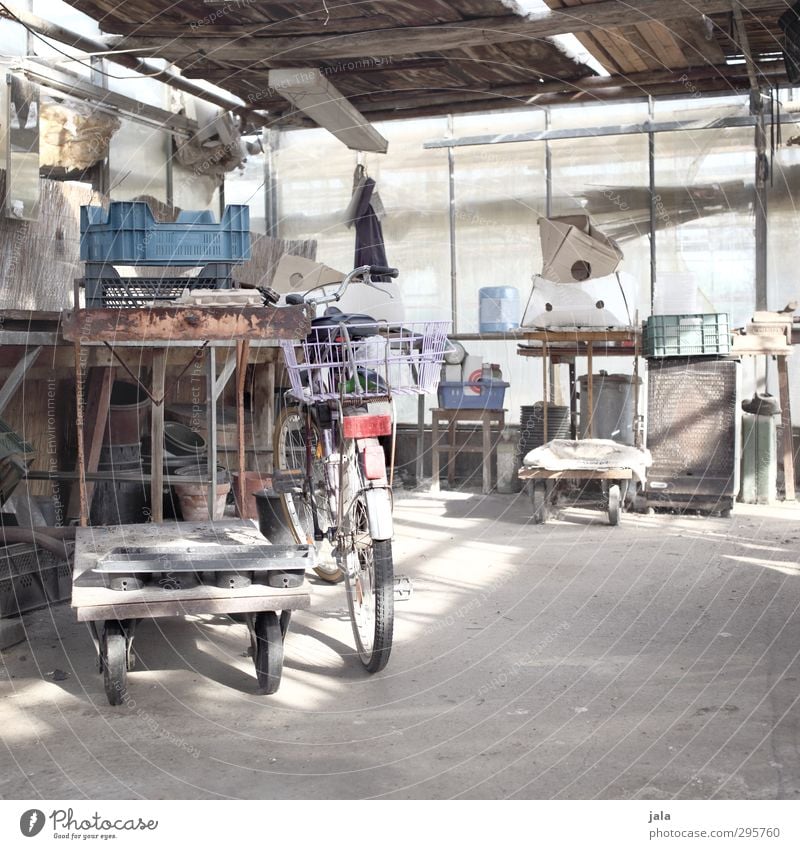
[403, 588]
[288, 482]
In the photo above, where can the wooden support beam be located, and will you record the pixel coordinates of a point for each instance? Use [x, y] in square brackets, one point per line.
[157, 385]
[741, 32]
[185, 324]
[458, 101]
[17, 375]
[157, 28]
[242, 351]
[609, 14]
[98, 398]
[399, 98]
[784, 397]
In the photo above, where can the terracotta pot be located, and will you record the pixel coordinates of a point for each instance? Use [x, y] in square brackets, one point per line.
[193, 498]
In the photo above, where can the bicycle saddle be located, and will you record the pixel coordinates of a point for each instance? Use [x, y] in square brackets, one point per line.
[359, 325]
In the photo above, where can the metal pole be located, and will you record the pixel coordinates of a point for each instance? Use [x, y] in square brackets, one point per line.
[272, 142]
[548, 169]
[451, 184]
[651, 153]
[761, 205]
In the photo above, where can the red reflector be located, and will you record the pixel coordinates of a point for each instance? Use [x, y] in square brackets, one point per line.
[360, 427]
[374, 462]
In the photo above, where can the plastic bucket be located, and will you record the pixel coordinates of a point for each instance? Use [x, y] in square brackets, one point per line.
[119, 502]
[126, 414]
[499, 309]
[272, 521]
[253, 482]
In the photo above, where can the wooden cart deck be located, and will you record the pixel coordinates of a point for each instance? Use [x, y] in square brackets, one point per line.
[526, 474]
[94, 601]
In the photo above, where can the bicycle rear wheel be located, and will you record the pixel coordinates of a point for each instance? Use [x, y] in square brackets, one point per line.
[289, 447]
[369, 576]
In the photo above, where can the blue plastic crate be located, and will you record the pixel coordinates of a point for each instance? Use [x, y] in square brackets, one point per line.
[490, 396]
[128, 234]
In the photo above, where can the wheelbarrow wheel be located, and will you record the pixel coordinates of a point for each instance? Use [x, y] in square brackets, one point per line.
[614, 504]
[268, 652]
[114, 660]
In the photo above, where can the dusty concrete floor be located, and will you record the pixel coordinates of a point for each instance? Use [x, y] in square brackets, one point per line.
[654, 660]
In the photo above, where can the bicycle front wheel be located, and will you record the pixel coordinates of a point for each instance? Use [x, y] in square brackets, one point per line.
[369, 575]
[289, 454]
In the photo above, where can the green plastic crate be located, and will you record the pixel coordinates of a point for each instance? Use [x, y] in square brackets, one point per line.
[687, 335]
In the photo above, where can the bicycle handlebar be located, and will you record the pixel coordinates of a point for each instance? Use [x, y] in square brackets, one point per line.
[364, 272]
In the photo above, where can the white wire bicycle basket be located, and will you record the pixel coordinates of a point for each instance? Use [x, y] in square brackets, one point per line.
[396, 360]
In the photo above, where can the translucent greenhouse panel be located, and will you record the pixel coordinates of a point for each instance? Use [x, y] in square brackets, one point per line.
[58, 12]
[13, 39]
[783, 211]
[705, 236]
[138, 162]
[607, 178]
[500, 196]
[592, 114]
[519, 121]
[314, 175]
[246, 186]
[704, 109]
[315, 179]
[191, 190]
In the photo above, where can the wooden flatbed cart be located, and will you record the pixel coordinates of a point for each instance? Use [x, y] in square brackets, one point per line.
[558, 347]
[126, 573]
[544, 483]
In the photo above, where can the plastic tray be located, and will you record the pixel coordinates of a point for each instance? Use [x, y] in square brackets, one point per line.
[490, 396]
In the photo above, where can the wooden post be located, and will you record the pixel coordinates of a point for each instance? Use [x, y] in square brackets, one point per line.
[83, 511]
[786, 423]
[590, 390]
[435, 452]
[157, 436]
[545, 403]
[242, 354]
[262, 402]
[420, 464]
[211, 426]
[98, 398]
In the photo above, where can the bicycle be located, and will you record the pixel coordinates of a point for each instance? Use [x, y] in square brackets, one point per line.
[330, 467]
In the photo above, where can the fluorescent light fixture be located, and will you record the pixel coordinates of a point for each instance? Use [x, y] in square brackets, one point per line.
[313, 94]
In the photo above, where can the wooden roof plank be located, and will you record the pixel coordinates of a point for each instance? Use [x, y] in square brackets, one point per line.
[664, 46]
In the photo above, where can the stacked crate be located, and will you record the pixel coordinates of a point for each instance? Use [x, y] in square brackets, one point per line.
[127, 234]
[693, 422]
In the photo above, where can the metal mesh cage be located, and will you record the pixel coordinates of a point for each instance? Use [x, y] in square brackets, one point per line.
[692, 428]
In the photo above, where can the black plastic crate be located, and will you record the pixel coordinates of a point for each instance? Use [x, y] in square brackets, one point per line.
[131, 292]
[31, 578]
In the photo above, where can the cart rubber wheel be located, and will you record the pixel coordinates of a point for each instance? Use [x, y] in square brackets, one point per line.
[539, 499]
[268, 652]
[114, 660]
[614, 504]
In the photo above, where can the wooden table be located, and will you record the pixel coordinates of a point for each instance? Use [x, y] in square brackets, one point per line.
[557, 346]
[451, 419]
